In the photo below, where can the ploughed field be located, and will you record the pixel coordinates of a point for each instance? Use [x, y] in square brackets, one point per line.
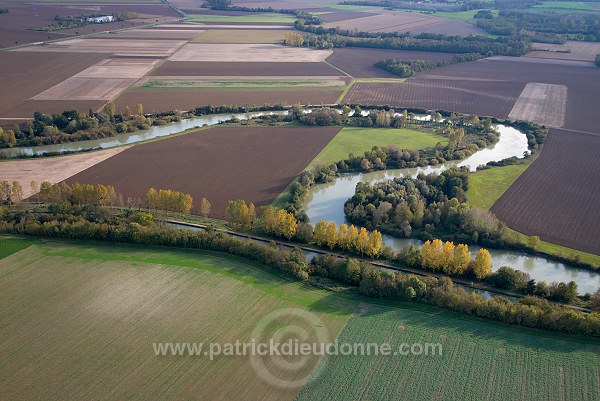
[220, 164]
[556, 198]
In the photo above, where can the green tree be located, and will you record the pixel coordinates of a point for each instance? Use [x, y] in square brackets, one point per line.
[534, 242]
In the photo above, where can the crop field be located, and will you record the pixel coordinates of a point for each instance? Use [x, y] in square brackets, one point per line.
[248, 52]
[544, 104]
[358, 63]
[168, 99]
[24, 75]
[153, 33]
[250, 18]
[415, 23]
[51, 169]
[570, 50]
[89, 314]
[10, 245]
[357, 140]
[486, 186]
[246, 69]
[466, 96]
[241, 36]
[557, 197]
[220, 164]
[233, 84]
[478, 362]
[102, 81]
[118, 47]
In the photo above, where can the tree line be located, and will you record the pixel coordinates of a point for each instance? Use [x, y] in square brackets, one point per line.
[85, 222]
[408, 68]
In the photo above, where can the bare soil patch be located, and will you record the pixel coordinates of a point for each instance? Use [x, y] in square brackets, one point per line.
[544, 104]
[556, 198]
[24, 75]
[241, 36]
[248, 52]
[359, 62]
[187, 99]
[344, 16]
[570, 50]
[153, 33]
[247, 69]
[415, 23]
[51, 169]
[122, 47]
[220, 164]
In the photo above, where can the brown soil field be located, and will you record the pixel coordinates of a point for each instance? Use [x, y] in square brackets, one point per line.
[51, 169]
[483, 98]
[182, 99]
[556, 198]
[119, 47]
[24, 75]
[250, 69]
[152, 33]
[415, 23]
[26, 109]
[15, 25]
[358, 62]
[241, 36]
[544, 104]
[344, 16]
[583, 51]
[248, 53]
[220, 164]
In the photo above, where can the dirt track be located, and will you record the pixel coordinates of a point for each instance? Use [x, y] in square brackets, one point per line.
[220, 164]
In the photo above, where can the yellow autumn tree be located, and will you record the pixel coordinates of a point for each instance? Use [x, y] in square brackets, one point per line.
[448, 258]
[462, 258]
[352, 237]
[482, 265]
[375, 244]
[343, 239]
[320, 233]
[362, 242]
[286, 224]
[331, 235]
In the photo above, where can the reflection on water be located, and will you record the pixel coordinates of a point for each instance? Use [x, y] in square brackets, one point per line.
[326, 202]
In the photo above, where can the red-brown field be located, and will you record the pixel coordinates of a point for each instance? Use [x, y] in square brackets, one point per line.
[415, 23]
[187, 99]
[220, 164]
[557, 197]
[359, 62]
[248, 69]
[483, 98]
[24, 75]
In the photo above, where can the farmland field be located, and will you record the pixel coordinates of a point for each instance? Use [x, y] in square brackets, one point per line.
[248, 52]
[570, 50]
[10, 245]
[486, 186]
[358, 63]
[165, 99]
[415, 23]
[75, 314]
[246, 69]
[357, 140]
[479, 361]
[252, 18]
[237, 36]
[220, 164]
[556, 198]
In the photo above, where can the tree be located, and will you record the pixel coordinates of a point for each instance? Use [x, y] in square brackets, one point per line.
[16, 195]
[534, 242]
[110, 109]
[35, 189]
[595, 301]
[286, 224]
[462, 258]
[331, 235]
[294, 39]
[482, 265]
[362, 242]
[5, 192]
[343, 239]
[375, 243]
[448, 258]
[204, 207]
[352, 237]
[320, 233]
[139, 110]
[238, 213]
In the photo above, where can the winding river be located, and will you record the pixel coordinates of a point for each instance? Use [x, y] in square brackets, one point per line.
[326, 202]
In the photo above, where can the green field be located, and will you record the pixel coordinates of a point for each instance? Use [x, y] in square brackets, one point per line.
[487, 186]
[272, 83]
[87, 314]
[567, 7]
[10, 245]
[357, 140]
[79, 322]
[479, 362]
[255, 17]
